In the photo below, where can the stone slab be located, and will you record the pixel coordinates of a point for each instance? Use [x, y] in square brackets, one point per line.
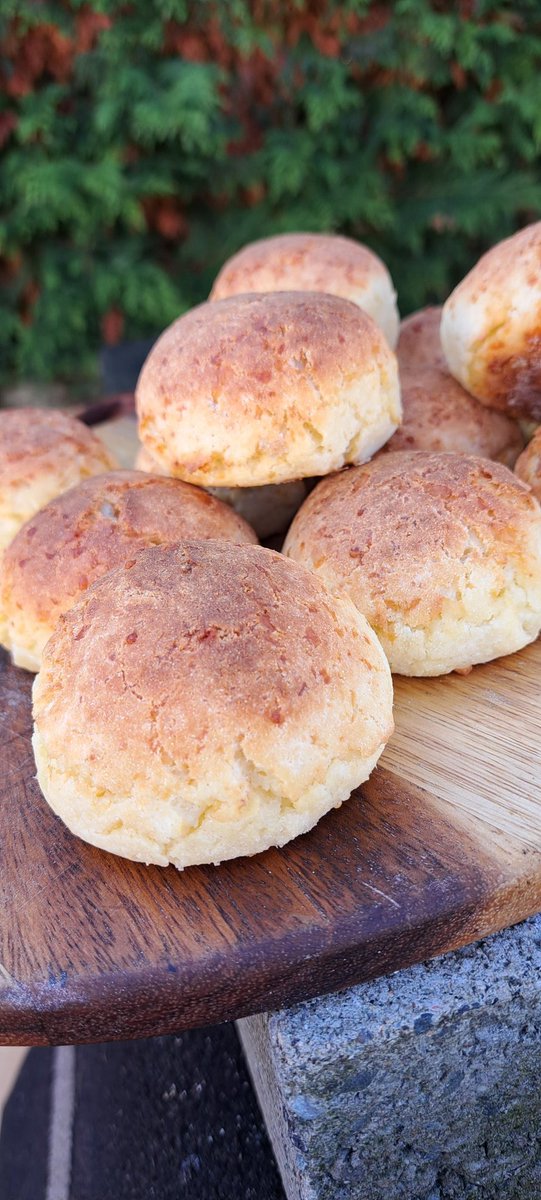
[425, 1085]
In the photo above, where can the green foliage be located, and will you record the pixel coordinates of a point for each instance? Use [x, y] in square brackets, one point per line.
[142, 144]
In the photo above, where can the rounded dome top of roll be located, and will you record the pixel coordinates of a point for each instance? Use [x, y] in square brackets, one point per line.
[314, 262]
[90, 529]
[491, 326]
[42, 452]
[267, 388]
[441, 552]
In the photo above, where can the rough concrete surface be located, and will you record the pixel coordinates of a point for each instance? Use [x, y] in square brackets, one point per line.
[425, 1085]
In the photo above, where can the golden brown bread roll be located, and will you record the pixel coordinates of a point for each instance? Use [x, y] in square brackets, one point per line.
[441, 552]
[42, 452]
[267, 388]
[208, 701]
[314, 262]
[491, 326]
[438, 414]
[419, 344]
[90, 529]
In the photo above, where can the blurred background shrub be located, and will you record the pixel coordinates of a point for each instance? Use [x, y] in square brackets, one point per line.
[142, 143]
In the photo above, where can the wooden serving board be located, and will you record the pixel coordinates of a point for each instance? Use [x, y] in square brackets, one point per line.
[443, 845]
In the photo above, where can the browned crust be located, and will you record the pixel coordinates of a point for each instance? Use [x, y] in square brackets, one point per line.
[101, 524]
[512, 382]
[175, 627]
[252, 346]
[33, 440]
[438, 414]
[419, 343]
[403, 521]
[311, 261]
[504, 367]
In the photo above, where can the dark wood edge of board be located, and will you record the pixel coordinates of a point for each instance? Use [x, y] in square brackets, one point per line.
[151, 1006]
[477, 898]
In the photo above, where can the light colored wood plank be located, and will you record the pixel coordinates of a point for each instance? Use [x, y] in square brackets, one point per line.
[474, 741]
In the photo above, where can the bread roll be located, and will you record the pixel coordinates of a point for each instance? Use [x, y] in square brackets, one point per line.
[267, 388]
[441, 552]
[491, 326]
[314, 262]
[90, 529]
[42, 452]
[206, 702]
[419, 344]
[438, 413]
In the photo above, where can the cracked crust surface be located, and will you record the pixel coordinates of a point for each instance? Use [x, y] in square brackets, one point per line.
[42, 452]
[438, 414]
[207, 702]
[491, 326]
[90, 529]
[261, 389]
[314, 262]
[441, 552]
[528, 466]
[419, 344]
[268, 509]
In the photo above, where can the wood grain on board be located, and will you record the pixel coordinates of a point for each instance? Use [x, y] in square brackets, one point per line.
[442, 845]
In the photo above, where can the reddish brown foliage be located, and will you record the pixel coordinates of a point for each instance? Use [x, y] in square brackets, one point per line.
[164, 214]
[28, 300]
[458, 76]
[89, 25]
[112, 326]
[8, 122]
[45, 50]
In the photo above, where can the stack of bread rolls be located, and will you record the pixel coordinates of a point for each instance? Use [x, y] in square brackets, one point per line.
[278, 379]
[200, 696]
